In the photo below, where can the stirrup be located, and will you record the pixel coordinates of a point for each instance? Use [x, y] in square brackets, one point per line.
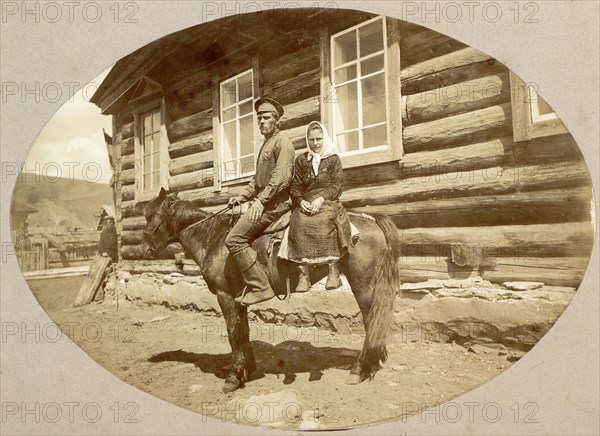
[254, 297]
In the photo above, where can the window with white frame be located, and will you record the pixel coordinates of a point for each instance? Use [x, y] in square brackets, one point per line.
[358, 75]
[237, 131]
[540, 109]
[532, 116]
[150, 147]
[151, 158]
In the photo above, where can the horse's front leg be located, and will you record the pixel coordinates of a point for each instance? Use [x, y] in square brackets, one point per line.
[236, 319]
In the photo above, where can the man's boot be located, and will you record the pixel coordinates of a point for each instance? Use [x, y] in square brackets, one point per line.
[257, 284]
[303, 279]
[333, 278]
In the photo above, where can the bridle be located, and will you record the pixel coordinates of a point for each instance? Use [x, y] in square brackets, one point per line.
[150, 236]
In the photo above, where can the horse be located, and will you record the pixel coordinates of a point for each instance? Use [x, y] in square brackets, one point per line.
[371, 268]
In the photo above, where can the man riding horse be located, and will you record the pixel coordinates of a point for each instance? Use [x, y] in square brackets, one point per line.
[270, 190]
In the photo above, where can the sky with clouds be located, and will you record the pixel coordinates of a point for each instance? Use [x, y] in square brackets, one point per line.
[71, 144]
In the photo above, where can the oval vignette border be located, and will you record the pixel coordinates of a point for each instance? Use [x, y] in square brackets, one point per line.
[569, 322]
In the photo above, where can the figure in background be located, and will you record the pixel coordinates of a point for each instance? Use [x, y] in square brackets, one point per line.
[107, 246]
[270, 190]
[319, 226]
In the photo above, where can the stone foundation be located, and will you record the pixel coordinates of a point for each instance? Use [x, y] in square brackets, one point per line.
[470, 312]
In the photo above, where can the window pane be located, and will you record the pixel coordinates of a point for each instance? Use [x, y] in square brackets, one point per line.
[155, 142]
[246, 135]
[155, 179]
[347, 113]
[348, 141]
[371, 65]
[147, 125]
[344, 74]
[229, 114]
[344, 48]
[229, 141]
[374, 136]
[229, 170]
[155, 122]
[371, 38]
[245, 86]
[156, 162]
[247, 165]
[228, 93]
[147, 146]
[373, 100]
[146, 182]
[246, 108]
[146, 167]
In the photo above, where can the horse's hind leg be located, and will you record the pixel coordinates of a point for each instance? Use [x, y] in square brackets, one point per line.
[236, 318]
[371, 355]
[360, 291]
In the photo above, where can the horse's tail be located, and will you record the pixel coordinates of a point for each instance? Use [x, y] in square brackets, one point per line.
[382, 293]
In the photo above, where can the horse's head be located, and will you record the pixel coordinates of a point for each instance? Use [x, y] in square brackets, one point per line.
[158, 226]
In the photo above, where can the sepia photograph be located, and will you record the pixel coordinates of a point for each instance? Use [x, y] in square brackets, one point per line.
[311, 218]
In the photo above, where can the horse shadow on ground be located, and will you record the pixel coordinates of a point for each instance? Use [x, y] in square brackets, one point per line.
[287, 358]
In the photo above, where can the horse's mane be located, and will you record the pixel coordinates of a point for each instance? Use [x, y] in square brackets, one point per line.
[210, 233]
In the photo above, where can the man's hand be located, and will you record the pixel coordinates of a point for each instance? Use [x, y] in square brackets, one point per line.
[306, 206]
[255, 211]
[316, 205]
[235, 201]
[105, 254]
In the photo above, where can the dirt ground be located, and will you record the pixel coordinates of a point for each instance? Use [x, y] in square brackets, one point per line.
[178, 356]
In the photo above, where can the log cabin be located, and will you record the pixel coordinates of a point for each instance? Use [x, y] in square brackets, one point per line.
[477, 171]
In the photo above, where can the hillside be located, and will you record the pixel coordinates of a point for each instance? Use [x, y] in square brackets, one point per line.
[60, 202]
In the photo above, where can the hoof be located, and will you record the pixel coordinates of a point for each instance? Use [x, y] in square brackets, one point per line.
[354, 379]
[230, 386]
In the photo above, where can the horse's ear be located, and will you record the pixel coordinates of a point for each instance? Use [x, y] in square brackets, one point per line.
[162, 194]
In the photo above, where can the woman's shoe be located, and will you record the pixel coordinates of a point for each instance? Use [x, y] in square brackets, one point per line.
[333, 278]
[303, 279]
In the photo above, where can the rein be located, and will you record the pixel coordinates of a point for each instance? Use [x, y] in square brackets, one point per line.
[175, 237]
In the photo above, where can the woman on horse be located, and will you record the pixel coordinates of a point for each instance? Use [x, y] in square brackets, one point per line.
[319, 226]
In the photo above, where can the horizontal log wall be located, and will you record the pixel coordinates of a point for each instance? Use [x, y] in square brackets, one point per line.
[462, 178]
[558, 271]
[290, 77]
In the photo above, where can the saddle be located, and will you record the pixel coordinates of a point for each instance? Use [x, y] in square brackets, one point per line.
[279, 225]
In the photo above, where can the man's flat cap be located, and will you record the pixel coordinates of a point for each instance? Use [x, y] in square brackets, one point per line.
[268, 105]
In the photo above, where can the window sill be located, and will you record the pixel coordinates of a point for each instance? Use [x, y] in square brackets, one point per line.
[547, 128]
[235, 182]
[368, 157]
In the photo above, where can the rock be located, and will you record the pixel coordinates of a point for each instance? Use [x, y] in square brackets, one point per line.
[523, 286]
[123, 275]
[515, 355]
[429, 284]
[401, 367]
[488, 349]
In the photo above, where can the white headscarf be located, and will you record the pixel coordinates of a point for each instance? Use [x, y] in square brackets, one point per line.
[327, 150]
